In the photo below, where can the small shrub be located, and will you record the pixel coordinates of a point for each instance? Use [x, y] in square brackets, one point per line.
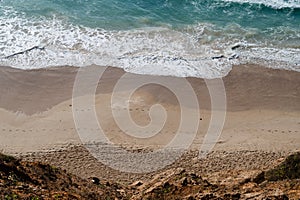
[289, 169]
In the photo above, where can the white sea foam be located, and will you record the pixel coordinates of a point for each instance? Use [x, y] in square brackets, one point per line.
[277, 4]
[153, 51]
[288, 59]
[159, 51]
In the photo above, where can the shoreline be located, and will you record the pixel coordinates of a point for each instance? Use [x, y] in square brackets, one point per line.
[59, 81]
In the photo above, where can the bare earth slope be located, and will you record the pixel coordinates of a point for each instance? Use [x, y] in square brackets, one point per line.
[35, 180]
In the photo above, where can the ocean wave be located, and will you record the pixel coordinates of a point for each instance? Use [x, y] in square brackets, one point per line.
[153, 50]
[276, 4]
[201, 50]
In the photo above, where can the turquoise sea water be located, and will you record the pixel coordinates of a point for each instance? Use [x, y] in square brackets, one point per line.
[201, 38]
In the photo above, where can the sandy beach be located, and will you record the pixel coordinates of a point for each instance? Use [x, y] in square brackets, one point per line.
[261, 128]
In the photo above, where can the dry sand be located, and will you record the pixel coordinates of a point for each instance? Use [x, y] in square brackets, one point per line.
[262, 120]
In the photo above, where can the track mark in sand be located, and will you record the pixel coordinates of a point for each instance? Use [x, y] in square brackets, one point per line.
[266, 131]
[35, 130]
[82, 110]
